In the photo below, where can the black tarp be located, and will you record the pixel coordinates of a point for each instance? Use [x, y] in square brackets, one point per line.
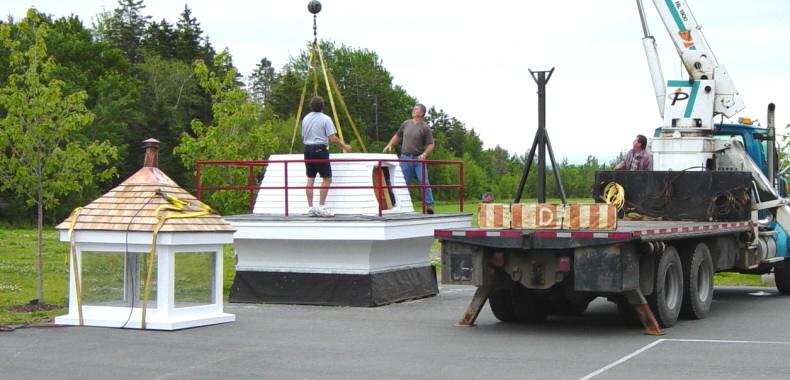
[374, 289]
[682, 195]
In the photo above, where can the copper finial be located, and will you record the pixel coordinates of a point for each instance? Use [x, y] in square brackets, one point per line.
[151, 153]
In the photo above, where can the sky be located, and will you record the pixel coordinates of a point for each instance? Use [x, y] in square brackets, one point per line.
[472, 58]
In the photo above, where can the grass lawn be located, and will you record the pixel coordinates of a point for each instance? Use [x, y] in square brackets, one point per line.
[18, 273]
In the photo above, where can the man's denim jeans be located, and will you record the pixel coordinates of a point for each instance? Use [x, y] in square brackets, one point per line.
[412, 170]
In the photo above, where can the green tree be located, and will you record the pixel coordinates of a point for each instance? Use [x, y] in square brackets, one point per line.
[261, 81]
[83, 63]
[160, 39]
[126, 27]
[188, 37]
[475, 181]
[377, 105]
[40, 160]
[238, 132]
[285, 92]
[169, 92]
[453, 128]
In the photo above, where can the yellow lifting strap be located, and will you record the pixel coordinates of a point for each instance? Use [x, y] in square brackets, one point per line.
[350, 120]
[75, 267]
[182, 209]
[301, 101]
[614, 194]
[331, 89]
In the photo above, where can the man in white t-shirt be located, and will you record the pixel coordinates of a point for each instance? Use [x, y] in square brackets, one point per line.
[317, 131]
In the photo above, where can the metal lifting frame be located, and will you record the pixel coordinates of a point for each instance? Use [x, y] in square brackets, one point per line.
[541, 142]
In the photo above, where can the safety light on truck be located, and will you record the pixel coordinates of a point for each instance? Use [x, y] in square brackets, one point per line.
[564, 264]
[498, 260]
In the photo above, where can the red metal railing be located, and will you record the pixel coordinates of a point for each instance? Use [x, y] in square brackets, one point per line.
[252, 185]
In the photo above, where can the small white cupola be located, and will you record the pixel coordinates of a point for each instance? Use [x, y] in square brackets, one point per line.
[147, 254]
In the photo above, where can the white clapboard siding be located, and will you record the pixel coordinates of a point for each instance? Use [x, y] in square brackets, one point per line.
[341, 201]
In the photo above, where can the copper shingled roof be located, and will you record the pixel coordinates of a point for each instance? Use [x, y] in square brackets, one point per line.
[131, 206]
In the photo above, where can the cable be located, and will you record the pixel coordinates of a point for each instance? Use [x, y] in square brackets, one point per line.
[720, 205]
[128, 270]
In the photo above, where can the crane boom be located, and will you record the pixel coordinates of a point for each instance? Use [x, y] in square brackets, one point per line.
[686, 34]
[700, 63]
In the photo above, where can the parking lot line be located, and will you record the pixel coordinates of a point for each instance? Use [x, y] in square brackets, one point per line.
[621, 360]
[727, 341]
[651, 345]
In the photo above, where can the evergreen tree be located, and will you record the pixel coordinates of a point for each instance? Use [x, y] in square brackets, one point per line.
[126, 27]
[188, 37]
[160, 39]
[261, 81]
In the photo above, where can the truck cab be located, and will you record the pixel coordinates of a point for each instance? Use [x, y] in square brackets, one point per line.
[754, 139]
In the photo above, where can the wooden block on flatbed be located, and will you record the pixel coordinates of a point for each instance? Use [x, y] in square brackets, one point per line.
[599, 216]
[536, 216]
[493, 215]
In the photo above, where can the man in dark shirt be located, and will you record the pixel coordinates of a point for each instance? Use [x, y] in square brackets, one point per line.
[417, 145]
[638, 158]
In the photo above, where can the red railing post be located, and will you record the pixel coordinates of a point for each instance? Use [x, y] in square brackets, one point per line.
[251, 183]
[379, 188]
[286, 188]
[461, 185]
[422, 184]
[197, 180]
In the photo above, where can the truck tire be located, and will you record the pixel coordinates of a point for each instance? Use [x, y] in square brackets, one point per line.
[527, 306]
[697, 282]
[501, 303]
[667, 297]
[782, 278]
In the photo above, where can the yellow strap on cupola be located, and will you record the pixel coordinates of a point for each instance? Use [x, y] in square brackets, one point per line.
[181, 208]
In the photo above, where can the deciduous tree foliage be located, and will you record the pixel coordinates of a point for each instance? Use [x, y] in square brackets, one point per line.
[42, 157]
[238, 132]
[377, 105]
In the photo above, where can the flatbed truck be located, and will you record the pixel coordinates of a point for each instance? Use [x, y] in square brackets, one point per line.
[655, 271]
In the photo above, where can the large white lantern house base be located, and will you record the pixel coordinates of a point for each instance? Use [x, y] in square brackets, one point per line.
[109, 280]
[356, 258]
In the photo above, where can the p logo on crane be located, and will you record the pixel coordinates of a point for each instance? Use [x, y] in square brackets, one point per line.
[678, 95]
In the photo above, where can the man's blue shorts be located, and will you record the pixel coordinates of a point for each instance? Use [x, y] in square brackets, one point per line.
[317, 152]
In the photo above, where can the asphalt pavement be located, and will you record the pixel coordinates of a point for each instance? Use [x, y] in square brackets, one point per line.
[745, 336]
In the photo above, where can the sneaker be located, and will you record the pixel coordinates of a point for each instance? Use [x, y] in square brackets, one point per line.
[429, 210]
[313, 211]
[324, 212]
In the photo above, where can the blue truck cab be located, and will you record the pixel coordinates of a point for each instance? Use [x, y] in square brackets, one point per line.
[755, 139]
